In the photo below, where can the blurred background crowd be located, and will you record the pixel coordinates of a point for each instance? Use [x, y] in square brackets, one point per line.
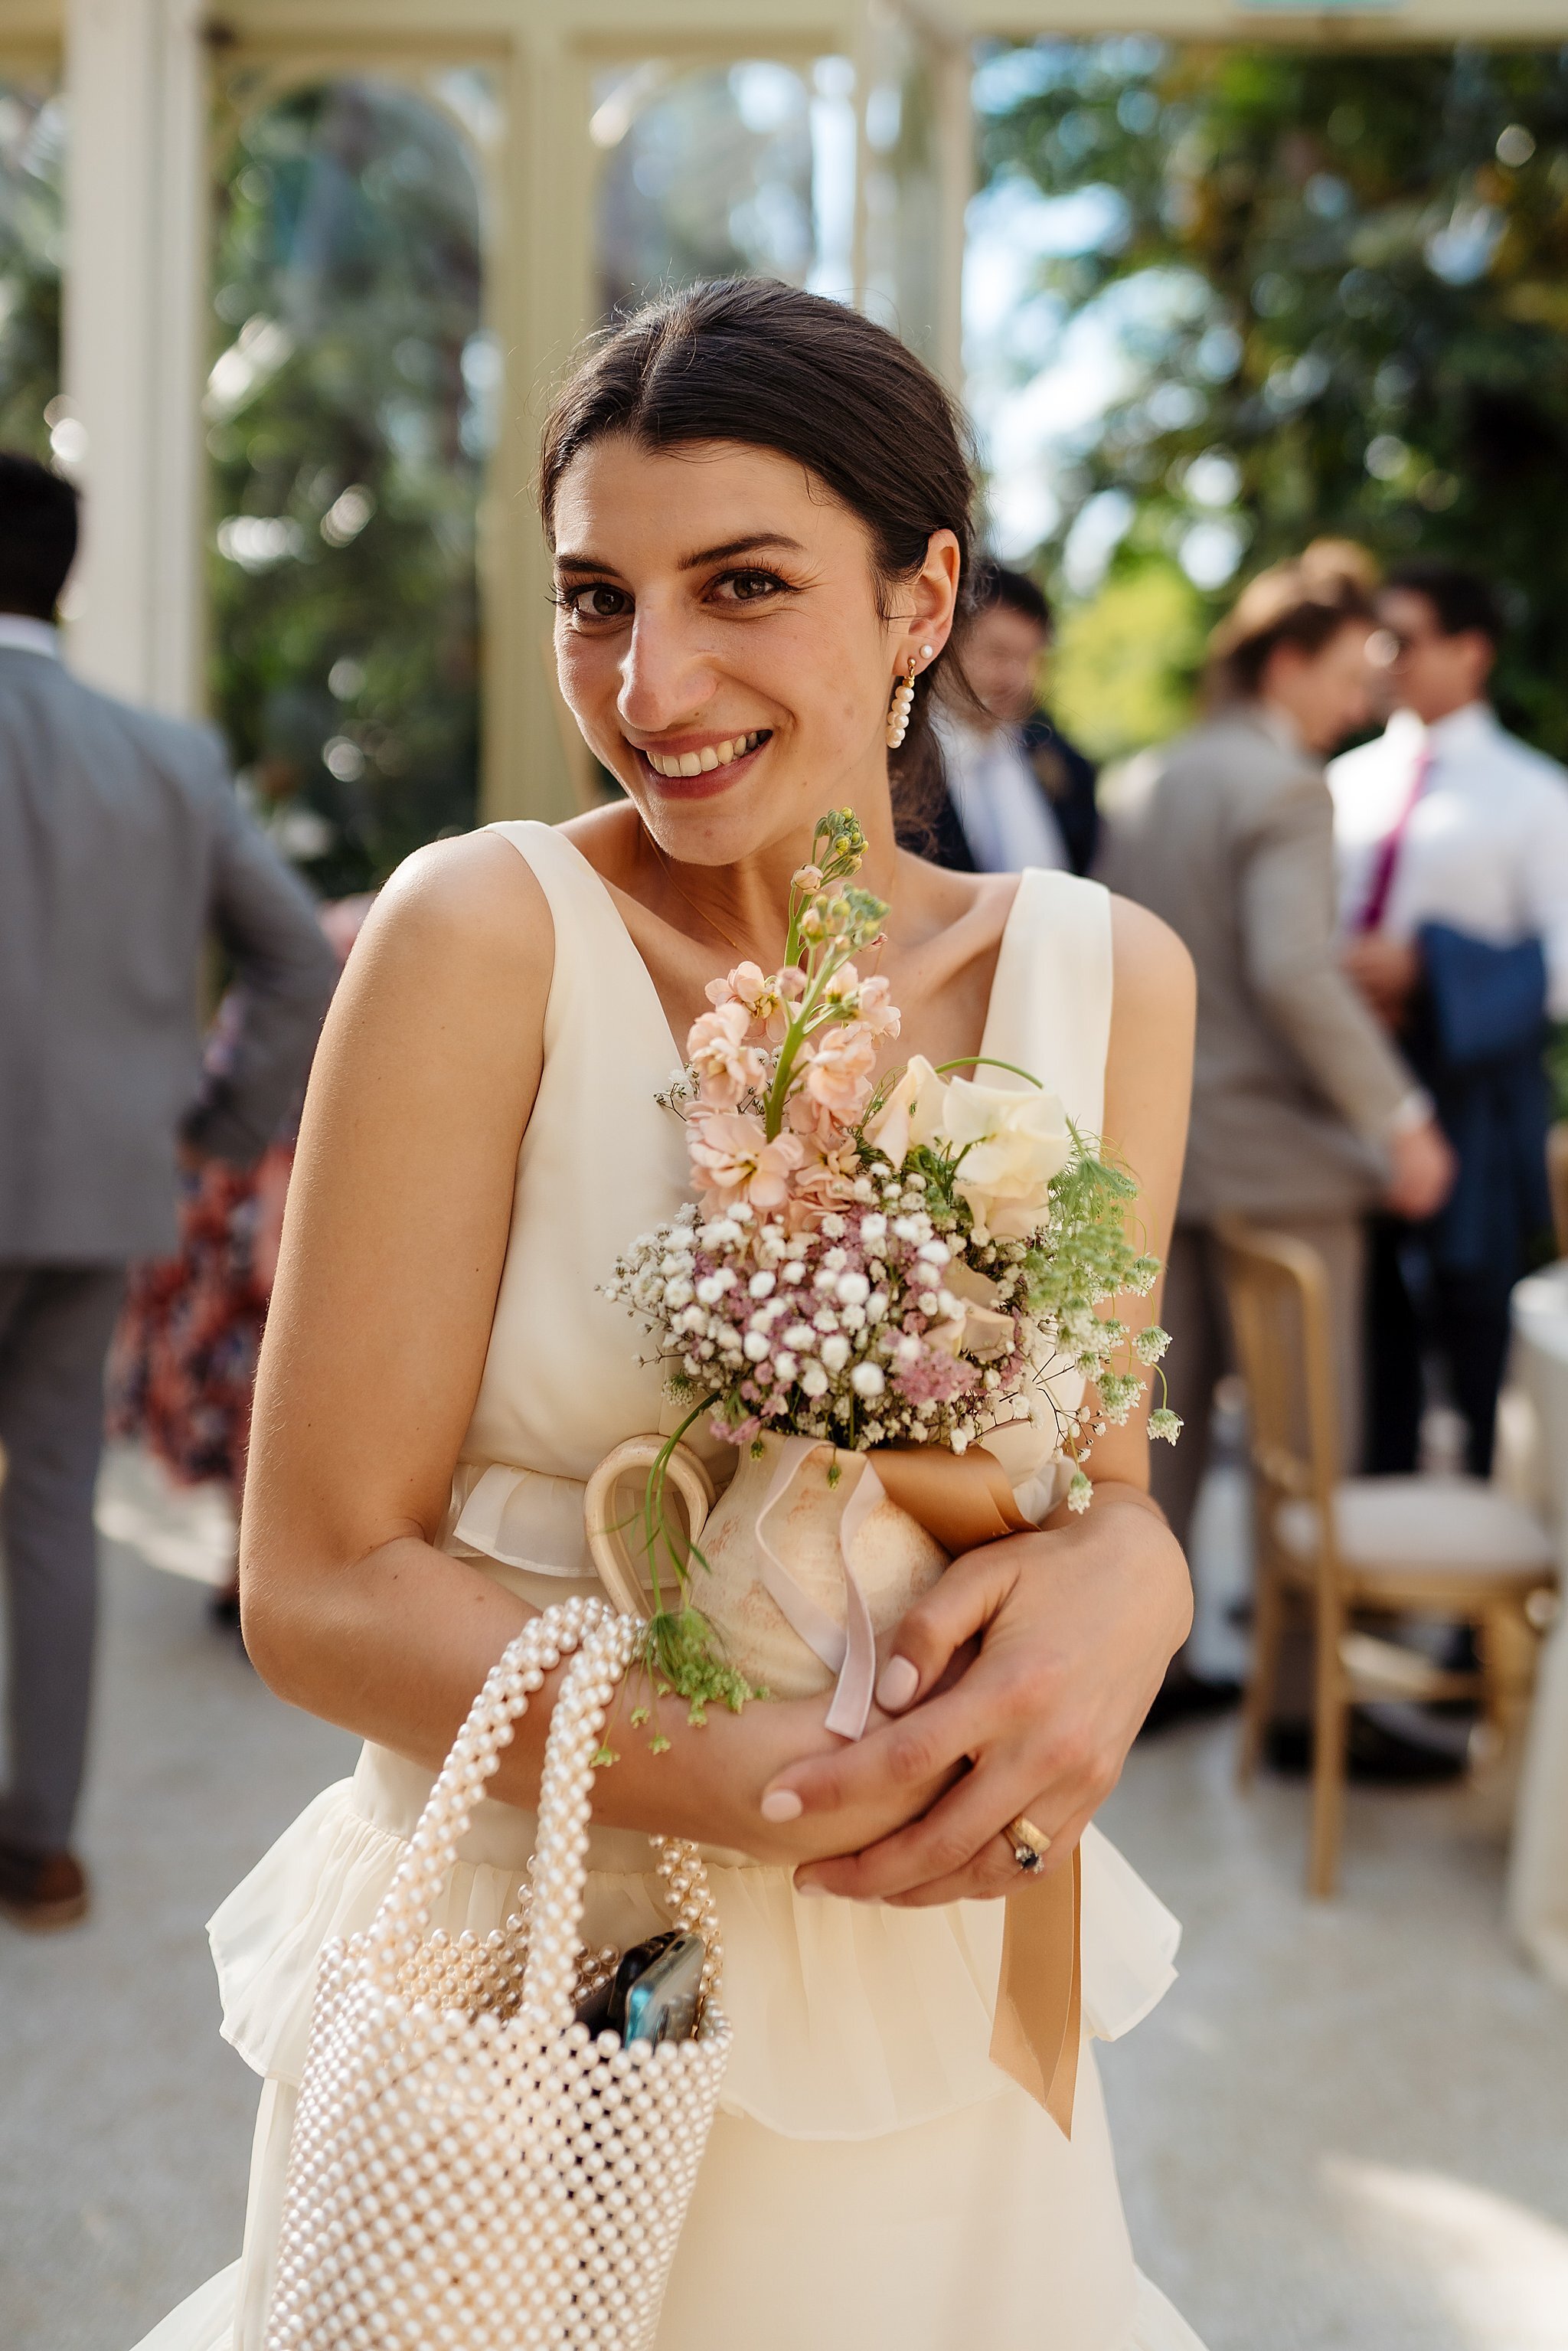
[1266, 346]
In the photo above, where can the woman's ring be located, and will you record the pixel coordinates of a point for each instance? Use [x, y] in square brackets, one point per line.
[1030, 1845]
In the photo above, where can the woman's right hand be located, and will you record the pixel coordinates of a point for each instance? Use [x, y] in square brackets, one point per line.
[709, 1784]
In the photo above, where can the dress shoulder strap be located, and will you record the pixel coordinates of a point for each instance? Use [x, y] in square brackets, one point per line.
[1050, 1001]
[562, 870]
[599, 975]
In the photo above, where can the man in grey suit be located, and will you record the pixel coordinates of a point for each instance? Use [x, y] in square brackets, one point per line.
[122, 847]
[1303, 1114]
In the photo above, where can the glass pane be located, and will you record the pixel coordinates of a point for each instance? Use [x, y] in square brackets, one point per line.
[32, 162]
[723, 172]
[349, 408]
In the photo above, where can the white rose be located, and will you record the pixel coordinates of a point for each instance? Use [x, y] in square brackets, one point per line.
[1013, 1143]
[866, 1380]
[814, 1380]
[910, 1113]
[836, 1352]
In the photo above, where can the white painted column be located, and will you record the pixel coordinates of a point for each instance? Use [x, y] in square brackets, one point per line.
[135, 274]
[953, 75]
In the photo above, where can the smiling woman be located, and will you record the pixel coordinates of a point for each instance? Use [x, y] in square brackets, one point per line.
[758, 507]
[892, 455]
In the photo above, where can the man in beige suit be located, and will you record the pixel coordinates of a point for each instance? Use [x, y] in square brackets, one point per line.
[1303, 1114]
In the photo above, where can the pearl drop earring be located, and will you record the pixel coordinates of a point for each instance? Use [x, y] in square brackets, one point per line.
[899, 708]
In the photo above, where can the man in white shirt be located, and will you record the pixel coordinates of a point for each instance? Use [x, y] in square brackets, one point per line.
[1018, 793]
[1445, 819]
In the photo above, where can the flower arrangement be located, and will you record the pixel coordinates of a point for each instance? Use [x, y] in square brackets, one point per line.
[908, 1261]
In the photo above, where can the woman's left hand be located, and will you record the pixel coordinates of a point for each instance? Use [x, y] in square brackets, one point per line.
[1076, 1626]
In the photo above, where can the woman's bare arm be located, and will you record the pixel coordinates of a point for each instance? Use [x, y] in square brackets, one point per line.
[395, 1237]
[1076, 1623]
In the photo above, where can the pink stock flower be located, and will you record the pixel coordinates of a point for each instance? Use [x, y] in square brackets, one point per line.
[838, 1073]
[870, 1000]
[819, 1188]
[877, 1008]
[766, 996]
[743, 985]
[733, 1159]
[728, 1067]
[823, 1132]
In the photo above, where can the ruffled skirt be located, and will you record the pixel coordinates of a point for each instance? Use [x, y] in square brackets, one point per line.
[872, 2179]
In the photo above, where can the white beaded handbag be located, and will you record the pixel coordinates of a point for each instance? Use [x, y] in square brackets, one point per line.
[468, 2168]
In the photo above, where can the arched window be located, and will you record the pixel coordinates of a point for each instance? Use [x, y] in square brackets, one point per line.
[32, 170]
[349, 411]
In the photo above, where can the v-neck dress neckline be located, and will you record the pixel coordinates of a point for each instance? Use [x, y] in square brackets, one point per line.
[651, 986]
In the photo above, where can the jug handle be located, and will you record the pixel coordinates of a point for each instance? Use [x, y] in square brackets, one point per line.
[606, 1536]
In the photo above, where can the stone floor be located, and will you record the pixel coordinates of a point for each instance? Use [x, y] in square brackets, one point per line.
[1345, 2129]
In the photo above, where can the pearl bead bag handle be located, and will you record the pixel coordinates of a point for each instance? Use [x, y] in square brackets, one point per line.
[606, 1644]
[560, 1856]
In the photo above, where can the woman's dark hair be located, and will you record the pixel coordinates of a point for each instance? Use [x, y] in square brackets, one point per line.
[752, 361]
[38, 534]
[1305, 603]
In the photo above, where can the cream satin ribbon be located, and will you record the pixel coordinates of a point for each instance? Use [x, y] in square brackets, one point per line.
[962, 1501]
[848, 1649]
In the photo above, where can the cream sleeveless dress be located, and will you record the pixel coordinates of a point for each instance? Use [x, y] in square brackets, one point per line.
[873, 2178]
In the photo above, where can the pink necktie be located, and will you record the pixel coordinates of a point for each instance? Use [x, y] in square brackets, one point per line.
[1385, 863]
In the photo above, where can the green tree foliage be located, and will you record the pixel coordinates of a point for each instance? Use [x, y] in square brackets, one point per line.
[1346, 279]
[347, 410]
[32, 154]
[1125, 660]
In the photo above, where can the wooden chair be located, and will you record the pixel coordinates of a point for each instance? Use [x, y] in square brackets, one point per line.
[1352, 1549]
[1557, 1180]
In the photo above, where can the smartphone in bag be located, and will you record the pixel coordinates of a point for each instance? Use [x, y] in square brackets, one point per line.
[661, 2004]
[638, 2008]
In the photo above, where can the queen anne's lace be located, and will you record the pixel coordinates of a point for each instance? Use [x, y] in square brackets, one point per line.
[469, 2170]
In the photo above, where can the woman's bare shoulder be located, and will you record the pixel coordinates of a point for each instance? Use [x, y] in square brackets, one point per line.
[434, 1039]
[1155, 978]
[458, 914]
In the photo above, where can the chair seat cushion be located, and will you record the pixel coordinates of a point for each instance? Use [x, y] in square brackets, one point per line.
[1460, 1523]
